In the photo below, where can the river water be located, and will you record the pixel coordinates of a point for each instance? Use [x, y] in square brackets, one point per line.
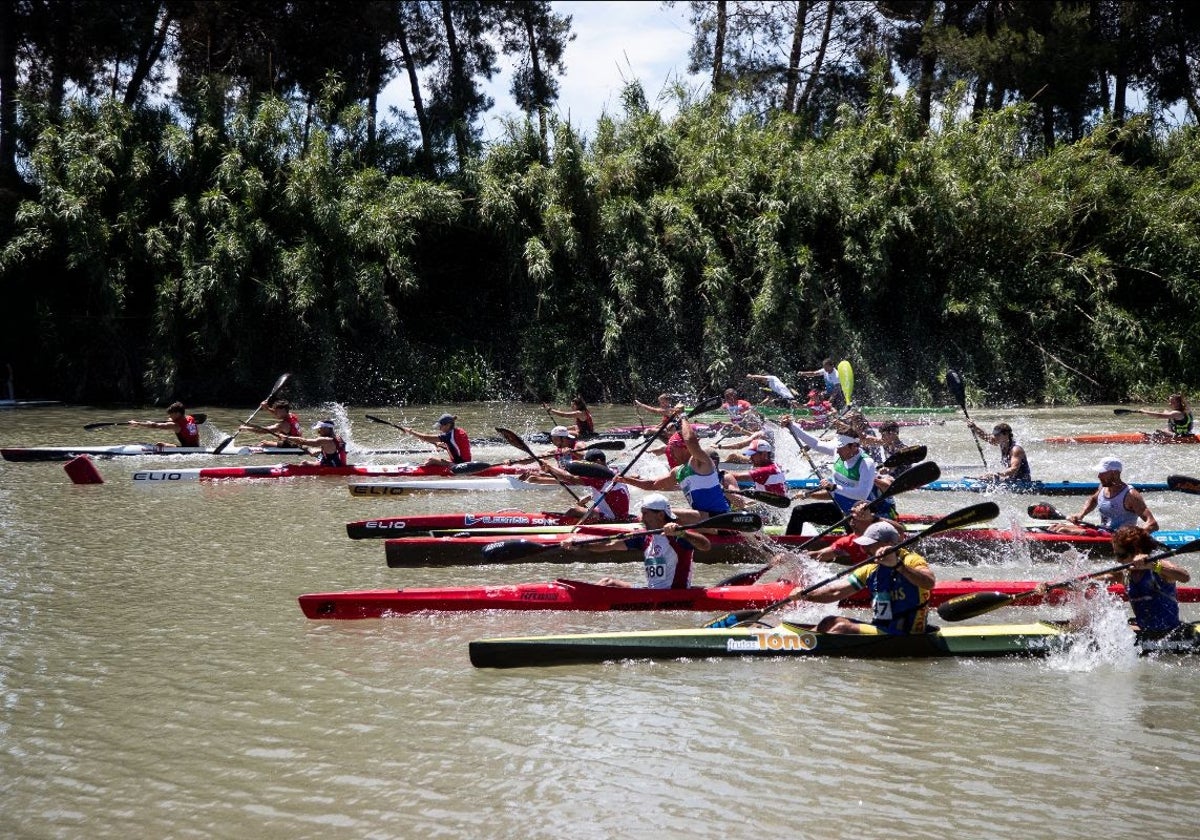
[158, 679]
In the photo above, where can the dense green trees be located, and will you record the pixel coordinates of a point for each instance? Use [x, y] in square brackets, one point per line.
[1009, 214]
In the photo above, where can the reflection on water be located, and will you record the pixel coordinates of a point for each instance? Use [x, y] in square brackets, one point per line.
[158, 678]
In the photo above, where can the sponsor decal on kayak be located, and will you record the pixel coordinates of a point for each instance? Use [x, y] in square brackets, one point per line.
[773, 640]
[158, 475]
[376, 490]
[386, 524]
[471, 519]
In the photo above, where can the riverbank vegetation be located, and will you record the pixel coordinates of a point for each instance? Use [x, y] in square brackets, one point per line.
[265, 216]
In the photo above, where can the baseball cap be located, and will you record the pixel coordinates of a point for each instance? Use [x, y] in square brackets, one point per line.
[846, 440]
[760, 446]
[879, 532]
[561, 431]
[1109, 465]
[657, 501]
[445, 418]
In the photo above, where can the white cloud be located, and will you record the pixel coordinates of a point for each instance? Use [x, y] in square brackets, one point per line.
[615, 43]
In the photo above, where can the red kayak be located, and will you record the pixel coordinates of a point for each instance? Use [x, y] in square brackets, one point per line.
[1106, 439]
[955, 545]
[580, 596]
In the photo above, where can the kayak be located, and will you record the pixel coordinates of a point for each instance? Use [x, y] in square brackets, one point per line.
[796, 641]
[28, 403]
[1105, 439]
[955, 545]
[974, 485]
[68, 453]
[495, 521]
[580, 596]
[885, 410]
[425, 485]
[309, 470]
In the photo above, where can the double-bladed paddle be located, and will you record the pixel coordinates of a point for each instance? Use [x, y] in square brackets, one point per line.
[978, 603]
[200, 417]
[955, 383]
[510, 550]
[710, 404]
[970, 515]
[279, 383]
[918, 476]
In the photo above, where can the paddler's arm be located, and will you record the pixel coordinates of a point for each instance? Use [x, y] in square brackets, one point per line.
[697, 539]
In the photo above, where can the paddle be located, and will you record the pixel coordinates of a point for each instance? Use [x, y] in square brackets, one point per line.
[516, 440]
[978, 603]
[1122, 411]
[764, 496]
[981, 512]
[846, 380]
[710, 404]
[509, 550]
[904, 457]
[955, 383]
[279, 383]
[918, 476]
[200, 417]
[1047, 511]
[1184, 484]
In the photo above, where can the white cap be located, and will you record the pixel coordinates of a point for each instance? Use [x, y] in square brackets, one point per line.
[879, 532]
[760, 446]
[658, 502]
[561, 431]
[1108, 465]
[846, 440]
[323, 424]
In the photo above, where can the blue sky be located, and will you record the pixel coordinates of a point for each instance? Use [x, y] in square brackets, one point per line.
[614, 43]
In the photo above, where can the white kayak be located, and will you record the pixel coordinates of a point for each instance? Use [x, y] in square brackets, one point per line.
[66, 453]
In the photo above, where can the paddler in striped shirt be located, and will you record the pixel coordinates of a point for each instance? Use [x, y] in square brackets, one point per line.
[187, 432]
[667, 556]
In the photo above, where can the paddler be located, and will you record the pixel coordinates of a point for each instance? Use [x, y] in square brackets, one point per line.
[286, 422]
[449, 437]
[776, 390]
[611, 506]
[764, 474]
[187, 432]
[833, 385]
[852, 479]
[899, 582]
[584, 426]
[697, 477]
[1119, 504]
[1178, 416]
[330, 447]
[1012, 454]
[667, 555]
[844, 549]
[1149, 587]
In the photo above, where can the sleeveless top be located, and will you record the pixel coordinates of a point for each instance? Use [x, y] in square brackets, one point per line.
[457, 444]
[1113, 514]
[1181, 427]
[703, 492]
[1023, 474]
[832, 383]
[338, 458]
[1153, 600]
[668, 560]
[586, 425]
[187, 432]
[857, 484]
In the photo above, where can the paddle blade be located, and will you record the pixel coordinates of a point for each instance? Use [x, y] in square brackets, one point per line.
[970, 515]
[904, 457]
[704, 406]
[1184, 484]
[469, 467]
[955, 383]
[1122, 411]
[977, 603]
[1043, 510]
[514, 439]
[587, 469]
[846, 379]
[745, 578]
[610, 445]
[507, 551]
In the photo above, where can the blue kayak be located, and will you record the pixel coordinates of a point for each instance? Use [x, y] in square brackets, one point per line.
[974, 485]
